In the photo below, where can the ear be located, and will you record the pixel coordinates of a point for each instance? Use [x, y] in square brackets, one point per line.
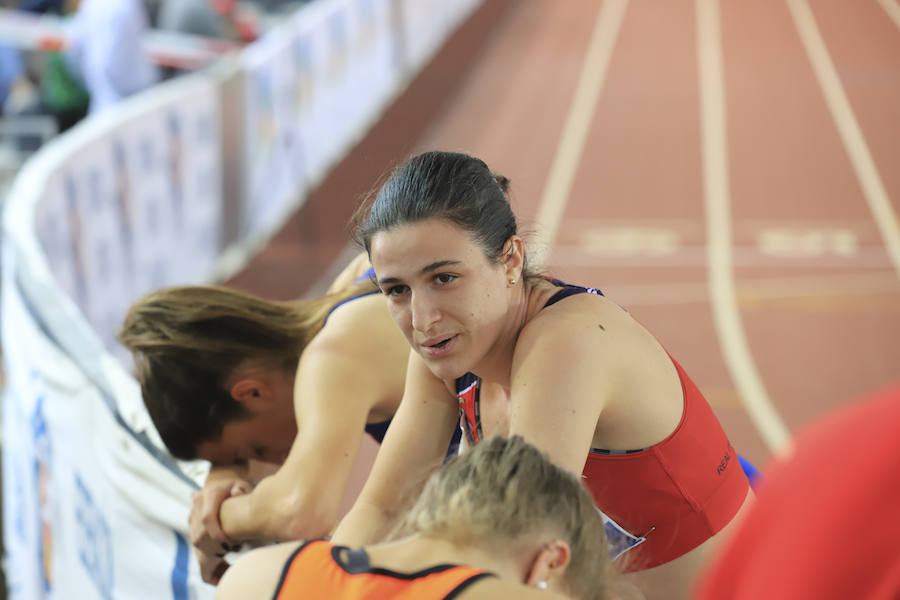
[513, 259]
[549, 564]
[254, 393]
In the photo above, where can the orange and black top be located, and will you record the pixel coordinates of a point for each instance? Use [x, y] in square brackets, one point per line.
[319, 569]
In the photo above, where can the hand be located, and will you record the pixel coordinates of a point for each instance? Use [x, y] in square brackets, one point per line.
[209, 540]
[212, 567]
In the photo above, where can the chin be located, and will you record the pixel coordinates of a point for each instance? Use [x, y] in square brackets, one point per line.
[446, 369]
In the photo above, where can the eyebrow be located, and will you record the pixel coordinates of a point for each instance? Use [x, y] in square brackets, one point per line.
[438, 264]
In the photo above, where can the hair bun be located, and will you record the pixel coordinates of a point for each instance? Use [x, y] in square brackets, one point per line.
[502, 181]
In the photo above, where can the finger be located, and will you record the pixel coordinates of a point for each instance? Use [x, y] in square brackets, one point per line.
[219, 571]
[239, 488]
[207, 566]
[213, 528]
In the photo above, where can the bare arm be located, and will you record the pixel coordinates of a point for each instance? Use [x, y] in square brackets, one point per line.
[356, 364]
[252, 472]
[415, 445]
[333, 397]
[220, 474]
[563, 372]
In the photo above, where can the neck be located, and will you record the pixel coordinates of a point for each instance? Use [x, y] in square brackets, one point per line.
[527, 301]
[419, 552]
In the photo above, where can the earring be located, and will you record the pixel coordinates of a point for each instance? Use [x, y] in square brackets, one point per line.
[512, 281]
[542, 585]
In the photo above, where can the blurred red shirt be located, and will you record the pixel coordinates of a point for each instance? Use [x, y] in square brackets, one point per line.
[827, 519]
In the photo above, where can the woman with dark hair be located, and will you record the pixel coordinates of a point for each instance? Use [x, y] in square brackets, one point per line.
[559, 364]
[241, 382]
[499, 521]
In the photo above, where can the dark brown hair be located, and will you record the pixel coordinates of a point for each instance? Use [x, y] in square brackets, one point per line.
[445, 185]
[186, 342]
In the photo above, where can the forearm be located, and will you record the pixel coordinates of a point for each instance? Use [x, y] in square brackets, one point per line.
[230, 473]
[270, 514]
[364, 524]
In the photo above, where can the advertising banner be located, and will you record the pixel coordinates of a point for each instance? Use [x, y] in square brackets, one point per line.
[88, 512]
[129, 201]
[312, 89]
[136, 209]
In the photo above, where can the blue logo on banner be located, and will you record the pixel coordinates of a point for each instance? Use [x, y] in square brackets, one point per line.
[95, 540]
[180, 568]
[42, 462]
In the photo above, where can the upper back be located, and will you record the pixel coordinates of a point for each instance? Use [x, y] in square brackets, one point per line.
[321, 570]
[360, 334]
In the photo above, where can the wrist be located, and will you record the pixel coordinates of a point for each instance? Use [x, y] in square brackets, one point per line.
[236, 518]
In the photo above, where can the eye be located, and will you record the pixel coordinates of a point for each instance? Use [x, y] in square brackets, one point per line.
[259, 451]
[444, 278]
[395, 290]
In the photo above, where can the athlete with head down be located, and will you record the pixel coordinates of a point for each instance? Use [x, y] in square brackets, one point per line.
[499, 521]
[253, 385]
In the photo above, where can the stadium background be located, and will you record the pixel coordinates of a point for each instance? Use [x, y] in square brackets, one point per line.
[722, 170]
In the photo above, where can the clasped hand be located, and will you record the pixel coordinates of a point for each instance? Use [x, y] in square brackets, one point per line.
[207, 536]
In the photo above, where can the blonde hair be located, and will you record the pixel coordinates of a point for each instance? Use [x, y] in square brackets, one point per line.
[186, 342]
[504, 491]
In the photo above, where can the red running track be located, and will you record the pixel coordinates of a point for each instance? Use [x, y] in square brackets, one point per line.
[813, 283]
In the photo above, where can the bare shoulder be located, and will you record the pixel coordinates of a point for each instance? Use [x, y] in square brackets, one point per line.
[580, 311]
[257, 573]
[360, 325]
[583, 322]
[360, 347]
[493, 588]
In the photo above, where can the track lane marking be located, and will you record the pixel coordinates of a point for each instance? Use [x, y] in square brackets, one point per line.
[848, 127]
[570, 149]
[724, 301]
[892, 9]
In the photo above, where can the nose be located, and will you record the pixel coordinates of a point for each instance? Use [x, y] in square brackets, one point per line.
[425, 312]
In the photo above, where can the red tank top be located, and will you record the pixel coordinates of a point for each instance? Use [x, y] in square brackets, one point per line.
[319, 569]
[659, 502]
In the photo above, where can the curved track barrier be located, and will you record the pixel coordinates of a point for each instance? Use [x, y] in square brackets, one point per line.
[179, 184]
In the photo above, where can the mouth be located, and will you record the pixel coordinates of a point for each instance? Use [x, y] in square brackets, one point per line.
[439, 345]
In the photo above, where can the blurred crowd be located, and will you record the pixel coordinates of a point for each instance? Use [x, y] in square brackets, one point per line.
[103, 58]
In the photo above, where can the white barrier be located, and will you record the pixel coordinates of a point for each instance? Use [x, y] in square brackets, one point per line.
[304, 88]
[132, 200]
[91, 501]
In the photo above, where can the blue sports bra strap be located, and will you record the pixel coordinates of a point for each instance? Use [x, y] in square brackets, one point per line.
[367, 275]
[568, 290]
[346, 300]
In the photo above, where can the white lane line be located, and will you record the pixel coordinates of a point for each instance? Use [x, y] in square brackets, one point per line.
[578, 121]
[848, 128]
[892, 9]
[718, 230]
